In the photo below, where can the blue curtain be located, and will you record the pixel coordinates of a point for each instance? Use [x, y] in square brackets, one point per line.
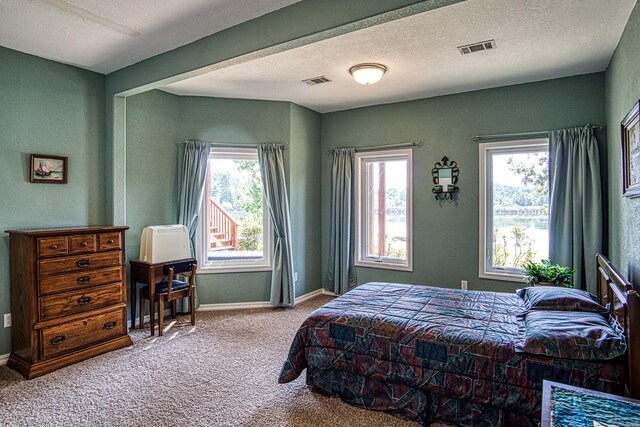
[275, 192]
[575, 203]
[341, 273]
[191, 193]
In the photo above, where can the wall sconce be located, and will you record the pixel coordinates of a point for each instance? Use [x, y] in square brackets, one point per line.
[445, 179]
[367, 74]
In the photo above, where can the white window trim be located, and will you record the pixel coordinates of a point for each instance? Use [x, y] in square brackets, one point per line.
[232, 266]
[486, 202]
[360, 211]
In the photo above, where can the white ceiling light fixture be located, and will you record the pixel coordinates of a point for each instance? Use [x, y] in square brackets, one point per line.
[367, 74]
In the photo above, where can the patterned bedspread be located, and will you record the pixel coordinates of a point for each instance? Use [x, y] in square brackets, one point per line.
[431, 353]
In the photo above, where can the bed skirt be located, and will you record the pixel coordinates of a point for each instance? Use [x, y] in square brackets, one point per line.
[412, 403]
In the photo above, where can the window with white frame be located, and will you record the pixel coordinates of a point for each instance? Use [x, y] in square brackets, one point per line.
[383, 209]
[235, 229]
[514, 206]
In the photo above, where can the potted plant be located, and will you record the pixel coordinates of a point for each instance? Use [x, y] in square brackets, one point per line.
[544, 273]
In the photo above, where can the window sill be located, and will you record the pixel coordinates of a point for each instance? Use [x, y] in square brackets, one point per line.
[384, 266]
[234, 269]
[505, 277]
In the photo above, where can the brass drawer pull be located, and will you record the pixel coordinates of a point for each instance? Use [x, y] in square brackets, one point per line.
[84, 300]
[110, 241]
[84, 280]
[110, 325]
[83, 244]
[54, 247]
[57, 340]
[83, 263]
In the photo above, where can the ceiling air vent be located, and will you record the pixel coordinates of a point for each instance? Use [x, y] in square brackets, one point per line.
[477, 47]
[316, 80]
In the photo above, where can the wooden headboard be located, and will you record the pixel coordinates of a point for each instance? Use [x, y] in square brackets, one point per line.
[624, 305]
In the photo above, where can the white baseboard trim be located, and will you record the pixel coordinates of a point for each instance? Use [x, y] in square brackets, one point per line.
[4, 358]
[234, 306]
[303, 298]
[258, 304]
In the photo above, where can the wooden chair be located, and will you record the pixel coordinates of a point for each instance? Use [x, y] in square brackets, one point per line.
[171, 291]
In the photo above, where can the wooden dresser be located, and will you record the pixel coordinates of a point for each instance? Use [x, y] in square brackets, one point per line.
[68, 296]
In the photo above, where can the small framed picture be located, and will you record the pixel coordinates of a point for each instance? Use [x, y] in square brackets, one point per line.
[51, 169]
[631, 153]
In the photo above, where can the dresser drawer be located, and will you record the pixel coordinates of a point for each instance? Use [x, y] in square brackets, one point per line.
[73, 335]
[47, 267]
[57, 305]
[79, 280]
[52, 246]
[109, 241]
[82, 243]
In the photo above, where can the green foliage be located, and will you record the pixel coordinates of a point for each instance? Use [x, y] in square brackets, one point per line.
[544, 271]
[511, 196]
[535, 171]
[249, 198]
[221, 190]
[500, 249]
[250, 230]
[396, 198]
[522, 252]
[396, 252]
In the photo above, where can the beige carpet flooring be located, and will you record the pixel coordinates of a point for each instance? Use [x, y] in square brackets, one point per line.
[222, 372]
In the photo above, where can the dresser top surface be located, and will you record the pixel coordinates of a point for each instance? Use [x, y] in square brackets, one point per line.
[69, 230]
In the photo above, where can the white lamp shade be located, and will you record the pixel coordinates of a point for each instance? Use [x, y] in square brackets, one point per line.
[367, 74]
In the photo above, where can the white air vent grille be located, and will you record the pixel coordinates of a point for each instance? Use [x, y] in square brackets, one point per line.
[316, 80]
[477, 47]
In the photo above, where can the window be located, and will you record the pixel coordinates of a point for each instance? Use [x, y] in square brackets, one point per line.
[235, 229]
[383, 210]
[514, 206]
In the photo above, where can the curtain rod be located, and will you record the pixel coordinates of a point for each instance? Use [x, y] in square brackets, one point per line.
[228, 144]
[538, 134]
[382, 147]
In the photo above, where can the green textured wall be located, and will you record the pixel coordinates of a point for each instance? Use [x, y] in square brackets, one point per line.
[234, 121]
[48, 108]
[446, 233]
[279, 31]
[622, 83]
[152, 163]
[305, 197]
[155, 120]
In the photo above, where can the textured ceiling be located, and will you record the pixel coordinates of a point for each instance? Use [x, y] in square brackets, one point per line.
[536, 40]
[105, 36]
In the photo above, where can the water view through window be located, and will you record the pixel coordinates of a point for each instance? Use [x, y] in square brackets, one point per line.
[520, 220]
[386, 209]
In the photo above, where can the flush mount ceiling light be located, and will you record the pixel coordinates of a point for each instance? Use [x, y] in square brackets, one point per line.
[367, 74]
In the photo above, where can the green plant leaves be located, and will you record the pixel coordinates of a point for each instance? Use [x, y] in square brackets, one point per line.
[545, 271]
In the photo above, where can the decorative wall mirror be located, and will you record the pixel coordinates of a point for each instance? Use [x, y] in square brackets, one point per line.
[445, 179]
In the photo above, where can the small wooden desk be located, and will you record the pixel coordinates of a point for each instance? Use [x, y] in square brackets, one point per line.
[547, 386]
[147, 274]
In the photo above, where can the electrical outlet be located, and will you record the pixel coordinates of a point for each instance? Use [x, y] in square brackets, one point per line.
[295, 276]
[464, 285]
[7, 320]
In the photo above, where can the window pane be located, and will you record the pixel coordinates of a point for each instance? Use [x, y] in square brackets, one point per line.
[386, 209]
[520, 210]
[235, 210]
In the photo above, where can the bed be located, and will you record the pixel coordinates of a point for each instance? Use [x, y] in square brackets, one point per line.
[428, 353]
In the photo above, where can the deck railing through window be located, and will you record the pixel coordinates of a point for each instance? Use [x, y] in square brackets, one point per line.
[223, 229]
